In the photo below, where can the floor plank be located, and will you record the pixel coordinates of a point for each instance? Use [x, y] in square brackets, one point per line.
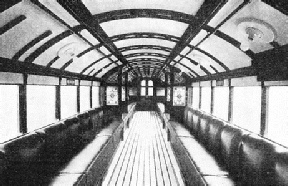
[144, 157]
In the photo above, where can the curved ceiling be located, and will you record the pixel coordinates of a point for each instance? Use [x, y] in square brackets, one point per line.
[100, 38]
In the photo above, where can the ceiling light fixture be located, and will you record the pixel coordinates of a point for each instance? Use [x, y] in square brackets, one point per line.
[253, 30]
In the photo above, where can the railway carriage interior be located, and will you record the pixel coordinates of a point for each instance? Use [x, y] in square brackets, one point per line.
[123, 92]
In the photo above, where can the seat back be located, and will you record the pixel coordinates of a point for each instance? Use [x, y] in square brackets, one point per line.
[203, 129]
[214, 135]
[195, 122]
[281, 168]
[85, 121]
[230, 141]
[257, 160]
[27, 148]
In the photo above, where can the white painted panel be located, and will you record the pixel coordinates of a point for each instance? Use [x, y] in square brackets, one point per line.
[42, 80]
[205, 83]
[245, 81]
[11, 78]
[85, 83]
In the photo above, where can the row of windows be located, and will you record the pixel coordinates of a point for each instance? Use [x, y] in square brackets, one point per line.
[41, 103]
[246, 107]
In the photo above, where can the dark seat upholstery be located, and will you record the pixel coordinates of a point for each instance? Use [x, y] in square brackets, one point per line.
[24, 157]
[257, 161]
[96, 119]
[203, 129]
[223, 154]
[195, 122]
[56, 137]
[281, 167]
[57, 152]
[230, 139]
[213, 138]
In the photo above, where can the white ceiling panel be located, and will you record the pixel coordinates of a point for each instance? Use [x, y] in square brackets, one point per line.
[100, 6]
[72, 42]
[160, 26]
[225, 52]
[145, 51]
[144, 41]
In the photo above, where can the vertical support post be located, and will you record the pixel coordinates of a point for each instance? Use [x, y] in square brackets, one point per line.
[264, 98]
[23, 105]
[119, 80]
[172, 79]
[166, 90]
[230, 107]
[126, 88]
[212, 98]
[91, 95]
[58, 100]
[146, 87]
[78, 96]
[200, 97]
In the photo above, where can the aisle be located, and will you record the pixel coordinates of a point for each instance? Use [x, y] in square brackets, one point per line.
[144, 157]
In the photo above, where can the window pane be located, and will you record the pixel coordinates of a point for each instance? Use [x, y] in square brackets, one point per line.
[206, 99]
[195, 97]
[84, 98]
[247, 107]
[277, 114]
[133, 91]
[95, 97]
[160, 92]
[9, 127]
[189, 98]
[123, 93]
[143, 91]
[40, 106]
[221, 102]
[150, 83]
[68, 101]
[150, 91]
[143, 83]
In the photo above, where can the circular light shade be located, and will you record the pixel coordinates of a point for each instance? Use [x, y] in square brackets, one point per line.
[256, 30]
[69, 50]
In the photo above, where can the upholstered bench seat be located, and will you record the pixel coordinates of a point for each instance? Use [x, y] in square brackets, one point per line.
[204, 161]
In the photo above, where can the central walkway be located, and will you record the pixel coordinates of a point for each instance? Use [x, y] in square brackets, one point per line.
[144, 157]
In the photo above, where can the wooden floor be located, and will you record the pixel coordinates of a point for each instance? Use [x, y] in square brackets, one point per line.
[144, 157]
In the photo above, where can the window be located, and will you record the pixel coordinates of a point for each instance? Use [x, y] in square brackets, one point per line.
[84, 98]
[160, 91]
[247, 107]
[189, 98]
[68, 101]
[40, 106]
[206, 99]
[150, 91]
[9, 101]
[132, 91]
[150, 83]
[143, 83]
[221, 102]
[196, 97]
[146, 90]
[143, 91]
[277, 114]
[95, 97]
